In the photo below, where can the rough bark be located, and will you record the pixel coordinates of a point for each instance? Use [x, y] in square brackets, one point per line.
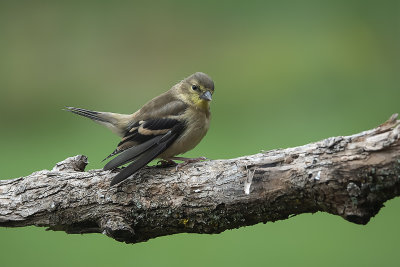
[348, 176]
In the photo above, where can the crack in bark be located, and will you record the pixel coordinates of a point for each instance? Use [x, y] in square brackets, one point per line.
[349, 176]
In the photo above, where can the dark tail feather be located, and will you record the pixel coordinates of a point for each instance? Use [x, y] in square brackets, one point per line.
[94, 115]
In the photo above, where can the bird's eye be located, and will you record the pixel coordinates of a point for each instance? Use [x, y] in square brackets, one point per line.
[195, 87]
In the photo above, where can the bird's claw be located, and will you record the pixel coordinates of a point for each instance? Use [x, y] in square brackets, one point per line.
[186, 161]
[166, 163]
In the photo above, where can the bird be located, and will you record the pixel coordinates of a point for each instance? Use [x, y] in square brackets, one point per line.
[166, 126]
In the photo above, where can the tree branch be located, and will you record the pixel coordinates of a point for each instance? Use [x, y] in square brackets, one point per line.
[348, 176]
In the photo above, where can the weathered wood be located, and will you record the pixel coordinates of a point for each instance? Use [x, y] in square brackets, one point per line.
[348, 176]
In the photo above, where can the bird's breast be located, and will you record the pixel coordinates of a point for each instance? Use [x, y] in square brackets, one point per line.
[197, 124]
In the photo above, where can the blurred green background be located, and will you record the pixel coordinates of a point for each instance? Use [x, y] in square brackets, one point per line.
[286, 73]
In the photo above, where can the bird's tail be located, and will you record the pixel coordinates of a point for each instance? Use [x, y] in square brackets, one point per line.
[115, 122]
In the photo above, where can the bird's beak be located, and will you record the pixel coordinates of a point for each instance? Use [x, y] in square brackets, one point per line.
[206, 96]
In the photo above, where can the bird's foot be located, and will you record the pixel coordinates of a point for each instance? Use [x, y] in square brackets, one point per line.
[186, 161]
[166, 163]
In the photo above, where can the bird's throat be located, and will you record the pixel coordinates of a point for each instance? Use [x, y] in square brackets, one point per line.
[203, 104]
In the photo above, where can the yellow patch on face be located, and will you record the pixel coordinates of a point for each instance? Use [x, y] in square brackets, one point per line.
[200, 103]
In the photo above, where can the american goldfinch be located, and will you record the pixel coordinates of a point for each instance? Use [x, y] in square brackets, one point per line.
[168, 125]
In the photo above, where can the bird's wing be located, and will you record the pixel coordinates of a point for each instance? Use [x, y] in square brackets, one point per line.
[159, 107]
[163, 105]
[153, 137]
[131, 153]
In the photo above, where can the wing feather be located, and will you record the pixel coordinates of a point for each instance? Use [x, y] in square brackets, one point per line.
[143, 157]
[162, 106]
[146, 131]
[131, 153]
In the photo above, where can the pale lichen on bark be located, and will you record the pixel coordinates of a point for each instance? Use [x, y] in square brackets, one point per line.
[349, 176]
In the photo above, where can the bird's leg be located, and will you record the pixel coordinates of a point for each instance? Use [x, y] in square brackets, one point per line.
[166, 163]
[186, 161]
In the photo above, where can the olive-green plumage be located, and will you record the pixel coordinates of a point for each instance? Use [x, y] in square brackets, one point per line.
[168, 125]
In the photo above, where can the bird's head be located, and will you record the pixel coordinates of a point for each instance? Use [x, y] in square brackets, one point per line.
[197, 89]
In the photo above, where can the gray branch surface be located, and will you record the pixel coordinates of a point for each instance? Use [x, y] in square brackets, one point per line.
[349, 176]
